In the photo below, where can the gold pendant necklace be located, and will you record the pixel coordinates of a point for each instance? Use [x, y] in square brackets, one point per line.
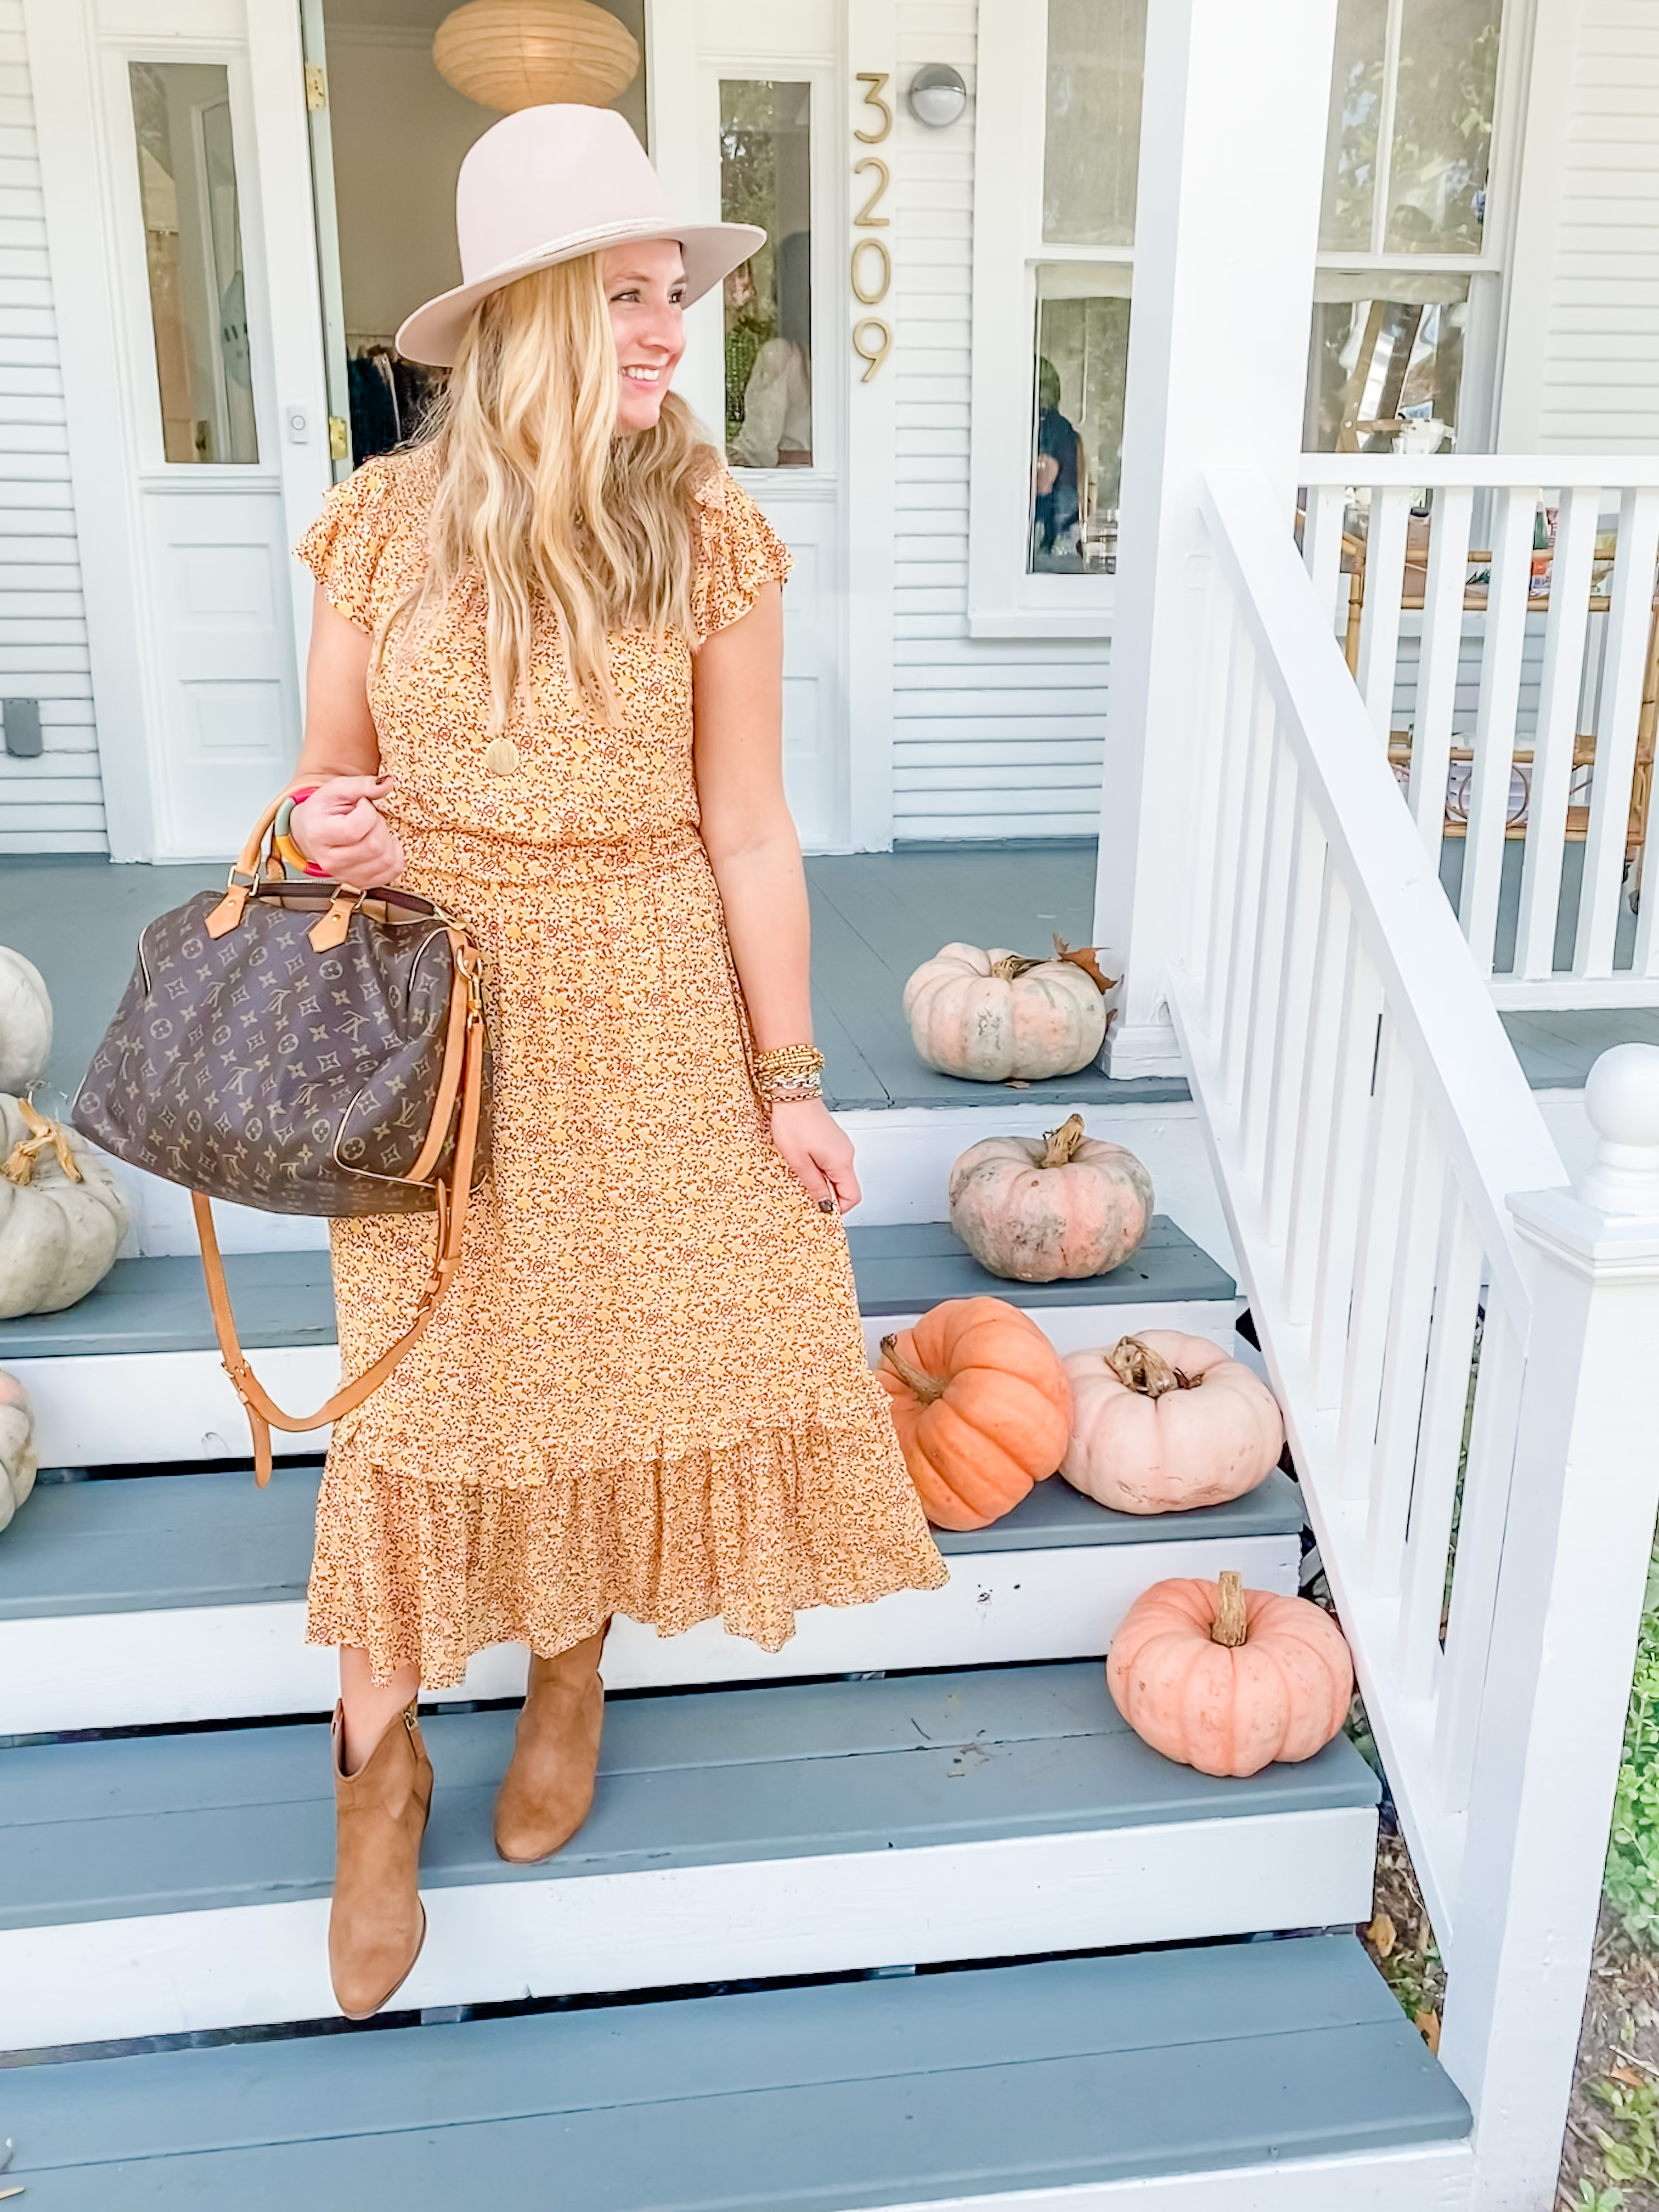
[501, 756]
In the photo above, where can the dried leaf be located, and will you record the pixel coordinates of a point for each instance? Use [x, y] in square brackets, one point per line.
[1084, 958]
[1015, 1082]
[1381, 1935]
[1624, 2073]
[1427, 2025]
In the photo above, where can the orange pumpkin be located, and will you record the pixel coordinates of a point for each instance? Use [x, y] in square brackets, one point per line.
[1228, 1679]
[981, 1407]
[1065, 1205]
[1163, 1422]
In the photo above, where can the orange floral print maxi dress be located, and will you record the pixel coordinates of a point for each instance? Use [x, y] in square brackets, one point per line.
[646, 1392]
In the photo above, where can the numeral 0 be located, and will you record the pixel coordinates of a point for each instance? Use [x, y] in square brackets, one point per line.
[871, 295]
[872, 351]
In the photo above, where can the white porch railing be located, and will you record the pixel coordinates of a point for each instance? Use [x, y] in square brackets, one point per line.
[1516, 686]
[1464, 1370]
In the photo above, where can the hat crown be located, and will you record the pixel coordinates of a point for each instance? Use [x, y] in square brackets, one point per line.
[546, 173]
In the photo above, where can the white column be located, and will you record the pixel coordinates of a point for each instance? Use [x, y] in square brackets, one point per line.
[1580, 1527]
[1231, 158]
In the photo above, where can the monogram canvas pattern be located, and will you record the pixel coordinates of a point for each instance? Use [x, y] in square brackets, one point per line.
[253, 1068]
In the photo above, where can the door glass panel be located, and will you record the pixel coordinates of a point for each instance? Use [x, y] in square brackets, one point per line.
[1082, 355]
[1351, 132]
[193, 254]
[1091, 130]
[765, 179]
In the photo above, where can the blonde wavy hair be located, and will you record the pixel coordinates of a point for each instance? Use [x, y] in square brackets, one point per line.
[540, 500]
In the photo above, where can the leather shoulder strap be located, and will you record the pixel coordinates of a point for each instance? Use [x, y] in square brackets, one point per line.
[263, 1415]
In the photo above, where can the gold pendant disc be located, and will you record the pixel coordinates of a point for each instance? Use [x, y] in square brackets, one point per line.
[501, 756]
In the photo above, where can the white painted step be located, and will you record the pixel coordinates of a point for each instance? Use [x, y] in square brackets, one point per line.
[151, 1885]
[152, 1600]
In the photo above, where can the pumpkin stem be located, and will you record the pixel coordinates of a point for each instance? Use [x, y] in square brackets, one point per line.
[927, 1387]
[18, 1166]
[1139, 1368]
[1012, 965]
[1059, 1144]
[1229, 1626]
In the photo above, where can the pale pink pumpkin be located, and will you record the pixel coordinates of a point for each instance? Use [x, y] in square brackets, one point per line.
[1227, 1680]
[990, 1015]
[1162, 1422]
[1041, 1209]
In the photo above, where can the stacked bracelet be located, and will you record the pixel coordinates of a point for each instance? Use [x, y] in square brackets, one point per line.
[793, 1072]
[283, 837]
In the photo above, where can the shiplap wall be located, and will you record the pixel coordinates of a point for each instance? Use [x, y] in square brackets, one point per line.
[54, 804]
[990, 740]
[1599, 386]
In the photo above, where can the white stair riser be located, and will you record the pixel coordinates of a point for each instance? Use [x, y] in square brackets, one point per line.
[230, 1662]
[168, 1974]
[116, 1409]
[1435, 2178]
[904, 1156]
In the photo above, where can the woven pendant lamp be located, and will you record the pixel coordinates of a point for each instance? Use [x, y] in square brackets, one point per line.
[511, 54]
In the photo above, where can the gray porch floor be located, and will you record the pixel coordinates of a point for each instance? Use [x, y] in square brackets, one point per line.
[875, 917]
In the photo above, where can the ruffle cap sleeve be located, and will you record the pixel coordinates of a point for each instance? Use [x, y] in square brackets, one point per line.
[737, 552]
[342, 547]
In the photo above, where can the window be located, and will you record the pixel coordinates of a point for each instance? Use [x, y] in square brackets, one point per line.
[1059, 84]
[765, 171]
[193, 258]
[1405, 263]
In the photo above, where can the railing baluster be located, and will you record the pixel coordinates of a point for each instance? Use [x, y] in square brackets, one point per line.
[1494, 728]
[1390, 1126]
[1322, 547]
[1440, 1436]
[1247, 888]
[1316, 1116]
[1244, 680]
[1379, 620]
[1296, 1018]
[1624, 670]
[1437, 660]
[1480, 1528]
[1558, 726]
[1229, 645]
[1410, 1312]
[1268, 962]
[1351, 1115]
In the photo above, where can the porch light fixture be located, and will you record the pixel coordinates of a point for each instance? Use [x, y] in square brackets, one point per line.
[511, 54]
[938, 95]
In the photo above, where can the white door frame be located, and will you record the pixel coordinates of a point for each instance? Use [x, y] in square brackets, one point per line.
[76, 49]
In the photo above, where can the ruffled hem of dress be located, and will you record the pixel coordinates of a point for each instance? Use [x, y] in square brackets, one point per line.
[416, 1572]
[410, 1449]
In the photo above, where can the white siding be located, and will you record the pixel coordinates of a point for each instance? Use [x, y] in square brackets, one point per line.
[54, 804]
[989, 739]
[1599, 376]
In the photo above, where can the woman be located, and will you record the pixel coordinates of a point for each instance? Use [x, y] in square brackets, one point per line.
[545, 692]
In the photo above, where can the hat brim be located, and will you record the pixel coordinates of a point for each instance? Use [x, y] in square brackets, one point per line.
[711, 250]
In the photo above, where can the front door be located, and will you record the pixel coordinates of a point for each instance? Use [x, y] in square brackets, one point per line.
[744, 129]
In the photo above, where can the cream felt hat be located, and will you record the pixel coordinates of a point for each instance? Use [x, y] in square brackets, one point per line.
[549, 183]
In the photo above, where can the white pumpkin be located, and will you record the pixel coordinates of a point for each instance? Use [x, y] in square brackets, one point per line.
[989, 1015]
[17, 1459]
[59, 1231]
[25, 1021]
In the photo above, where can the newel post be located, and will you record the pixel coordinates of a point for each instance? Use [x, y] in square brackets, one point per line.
[1581, 1523]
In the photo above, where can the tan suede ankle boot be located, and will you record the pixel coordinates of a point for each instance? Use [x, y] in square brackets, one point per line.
[547, 1788]
[377, 1924]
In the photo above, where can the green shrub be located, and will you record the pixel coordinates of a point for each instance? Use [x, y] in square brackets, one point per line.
[1632, 1875]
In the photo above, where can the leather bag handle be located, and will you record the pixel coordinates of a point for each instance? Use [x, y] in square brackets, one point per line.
[263, 1415]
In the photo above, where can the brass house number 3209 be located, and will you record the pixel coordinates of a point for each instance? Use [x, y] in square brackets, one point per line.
[871, 264]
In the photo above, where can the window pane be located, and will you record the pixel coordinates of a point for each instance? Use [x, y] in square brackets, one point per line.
[1383, 373]
[1091, 135]
[1351, 134]
[193, 250]
[765, 177]
[1443, 127]
[1082, 353]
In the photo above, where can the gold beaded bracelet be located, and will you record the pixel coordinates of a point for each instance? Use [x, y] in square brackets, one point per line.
[791, 1071]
